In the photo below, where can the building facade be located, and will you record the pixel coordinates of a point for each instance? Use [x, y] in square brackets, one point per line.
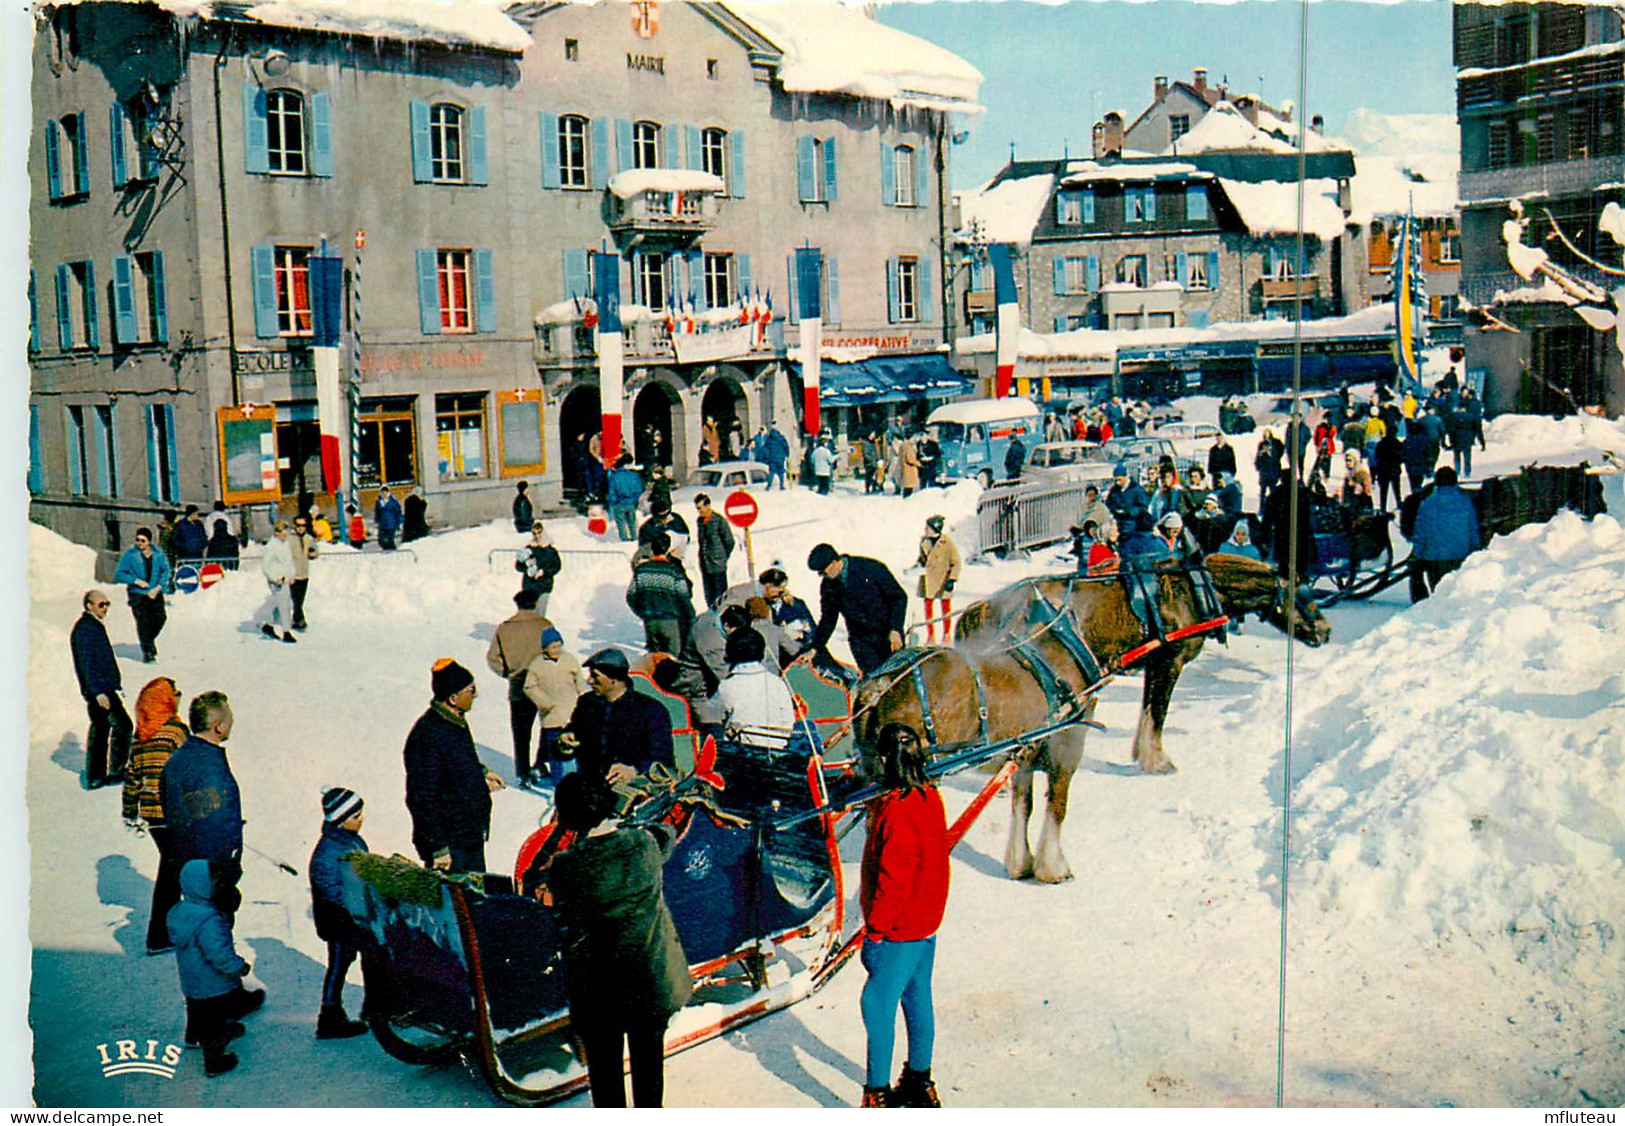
[206, 182]
[1540, 96]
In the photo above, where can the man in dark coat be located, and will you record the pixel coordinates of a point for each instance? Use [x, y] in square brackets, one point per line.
[202, 805]
[867, 594]
[415, 523]
[716, 545]
[107, 746]
[448, 790]
[1014, 458]
[387, 518]
[523, 511]
[1126, 499]
[1221, 457]
[1418, 455]
[190, 538]
[617, 733]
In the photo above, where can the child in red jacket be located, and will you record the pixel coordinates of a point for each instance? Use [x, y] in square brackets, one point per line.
[903, 895]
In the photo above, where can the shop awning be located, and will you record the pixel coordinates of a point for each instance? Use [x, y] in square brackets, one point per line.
[890, 379]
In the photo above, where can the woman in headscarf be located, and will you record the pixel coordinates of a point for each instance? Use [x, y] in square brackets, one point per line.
[158, 732]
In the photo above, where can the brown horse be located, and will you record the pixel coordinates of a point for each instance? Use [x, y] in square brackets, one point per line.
[1038, 617]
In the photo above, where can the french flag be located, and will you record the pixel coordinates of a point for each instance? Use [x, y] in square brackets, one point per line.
[607, 278]
[809, 283]
[1007, 326]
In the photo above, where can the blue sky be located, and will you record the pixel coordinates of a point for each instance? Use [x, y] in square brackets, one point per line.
[1051, 71]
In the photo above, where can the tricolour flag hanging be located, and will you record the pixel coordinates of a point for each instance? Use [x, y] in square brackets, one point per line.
[326, 305]
[1007, 327]
[1409, 296]
[810, 284]
[607, 297]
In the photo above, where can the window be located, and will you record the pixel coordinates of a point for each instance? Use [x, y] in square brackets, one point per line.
[140, 314]
[76, 309]
[816, 169]
[908, 289]
[1196, 208]
[718, 280]
[1498, 153]
[33, 315]
[1069, 208]
[1131, 270]
[573, 150]
[163, 479]
[1196, 267]
[1126, 322]
[134, 156]
[446, 143]
[1159, 320]
[1178, 125]
[651, 280]
[292, 274]
[78, 454]
[519, 426]
[1450, 245]
[1448, 308]
[1139, 203]
[388, 454]
[1077, 275]
[285, 126]
[572, 51]
[645, 145]
[1546, 138]
[459, 424]
[67, 156]
[903, 176]
[1582, 131]
[714, 153]
[452, 277]
[1170, 266]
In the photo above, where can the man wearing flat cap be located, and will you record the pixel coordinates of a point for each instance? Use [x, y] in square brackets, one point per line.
[616, 732]
[448, 790]
[866, 593]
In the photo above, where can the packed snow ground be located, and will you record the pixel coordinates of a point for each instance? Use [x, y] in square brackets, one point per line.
[1458, 832]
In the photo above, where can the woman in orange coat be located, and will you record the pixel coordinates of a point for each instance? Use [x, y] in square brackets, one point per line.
[158, 732]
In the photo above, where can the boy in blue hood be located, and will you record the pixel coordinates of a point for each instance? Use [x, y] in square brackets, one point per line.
[342, 814]
[211, 970]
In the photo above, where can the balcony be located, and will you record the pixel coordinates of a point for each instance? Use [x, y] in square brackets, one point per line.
[979, 302]
[1290, 289]
[671, 205]
[1118, 298]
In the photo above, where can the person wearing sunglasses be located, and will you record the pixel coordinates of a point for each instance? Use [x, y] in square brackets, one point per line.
[107, 746]
[144, 571]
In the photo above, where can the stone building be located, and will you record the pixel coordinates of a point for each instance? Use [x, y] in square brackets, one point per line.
[202, 173]
[1540, 96]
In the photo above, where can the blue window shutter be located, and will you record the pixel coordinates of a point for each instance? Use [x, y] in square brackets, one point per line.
[806, 181]
[256, 129]
[1091, 273]
[736, 158]
[1183, 268]
[832, 190]
[422, 162]
[623, 144]
[53, 159]
[160, 298]
[923, 302]
[321, 134]
[668, 146]
[922, 178]
[1058, 269]
[115, 485]
[793, 289]
[978, 275]
[742, 270]
[124, 330]
[33, 314]
[892, 297]
[1197, 318]
[1060, 324]
[64, 314]
[171, 451]
[99, 453]
[153, 470]
[575, 273]
[600, 152]
[76, 439]
[1088, 205]
[550, 150]
[696, 279]
[1213, 269]
[888, 175]
[428, 292]
[36, 467]
[832, 284]
[479, 168]
[93, 331]
[1196, 202]
[693, 154]
[115, 137]
[81, 156]
[263, 266]
[485, 290]
[1271, 259]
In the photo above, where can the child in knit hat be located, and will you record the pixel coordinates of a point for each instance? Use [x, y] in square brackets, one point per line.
[553, 682]
[342, 814]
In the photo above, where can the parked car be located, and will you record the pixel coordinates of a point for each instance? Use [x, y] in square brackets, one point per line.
[1066, 461]
[975, 434]
[718, 480]
[1188, 432]
[1144, 456]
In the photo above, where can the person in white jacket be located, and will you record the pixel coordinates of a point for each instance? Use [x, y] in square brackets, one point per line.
[553, 682]
[277, 564]
[755, 701]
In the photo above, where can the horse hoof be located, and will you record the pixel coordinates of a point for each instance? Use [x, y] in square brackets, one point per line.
[1020, 873]
[1161, 766]
[1054, 878]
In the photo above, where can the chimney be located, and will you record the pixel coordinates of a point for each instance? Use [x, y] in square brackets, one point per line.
[1317, 123]
[1111, 143]
[1201, 80]
[1159, 87]
[1097, 140]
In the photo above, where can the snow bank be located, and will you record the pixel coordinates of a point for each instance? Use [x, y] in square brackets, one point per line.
[1462, 767]
[56, 564]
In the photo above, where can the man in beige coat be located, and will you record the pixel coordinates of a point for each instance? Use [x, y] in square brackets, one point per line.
[553, 683]
[909, 454]
[516, 644]
[302, 544]
[940, 560]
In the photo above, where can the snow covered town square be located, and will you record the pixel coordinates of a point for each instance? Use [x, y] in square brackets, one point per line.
[795, 554]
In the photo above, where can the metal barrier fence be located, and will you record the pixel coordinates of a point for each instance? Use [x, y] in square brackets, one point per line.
[510, 554]
[1021, 517]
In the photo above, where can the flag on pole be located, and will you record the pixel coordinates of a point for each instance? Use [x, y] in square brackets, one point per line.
[809, 281]
[607, 278]
[326, 304]
[1007, 327]
[1408, 298]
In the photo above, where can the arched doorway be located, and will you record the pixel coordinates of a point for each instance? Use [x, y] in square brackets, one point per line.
[724, 403]
[579, 419]
[656, 425]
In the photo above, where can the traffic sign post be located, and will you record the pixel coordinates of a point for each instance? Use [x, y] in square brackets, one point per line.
[186, 578]
[741, 511]
[210, 574]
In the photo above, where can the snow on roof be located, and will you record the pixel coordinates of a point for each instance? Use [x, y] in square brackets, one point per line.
[625, 185]
[471, 23]
[1596, 49]
[1224, 127]
[1089, 171]
[1387, 185]
[1007, 211]
[830, 48]
[1271, 208]
[983, 410]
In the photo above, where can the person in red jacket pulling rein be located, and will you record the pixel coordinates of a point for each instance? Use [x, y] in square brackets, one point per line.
[903, 895]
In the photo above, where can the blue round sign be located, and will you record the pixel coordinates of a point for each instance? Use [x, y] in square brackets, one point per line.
[186, 578]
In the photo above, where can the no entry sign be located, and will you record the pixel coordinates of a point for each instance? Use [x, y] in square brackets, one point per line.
[740, 509]
[211, 574]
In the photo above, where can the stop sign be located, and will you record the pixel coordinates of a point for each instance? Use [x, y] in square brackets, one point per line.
[740, 509]
[211, 574]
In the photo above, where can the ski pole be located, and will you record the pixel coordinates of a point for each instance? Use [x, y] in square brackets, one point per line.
[283, 864]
